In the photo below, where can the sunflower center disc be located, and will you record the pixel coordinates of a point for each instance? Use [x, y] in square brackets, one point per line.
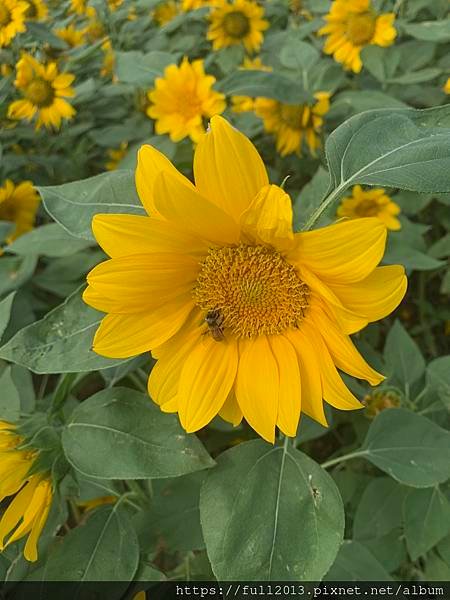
[7, 211]
[31, 11]
[39, 92]
[367, 208]
[295, 116]
[5, 16]
[236, 24]
[253, 288]
[360, 28]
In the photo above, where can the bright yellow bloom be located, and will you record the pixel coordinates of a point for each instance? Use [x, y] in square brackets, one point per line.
[72, 36]
[352, 25]
[37, 10]
[28, 511]
[447, 86]
[293, 123]
[246, 318]
[109, 60]
[165, 12]
[43, 89]
[115, 156]
[370, 203]
[237, 22]
[193, 4]
[245, 103]
[78, 7]
[182, 99]
[18, 205]
[12, 20]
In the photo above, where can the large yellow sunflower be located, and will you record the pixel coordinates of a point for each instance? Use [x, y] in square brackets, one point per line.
[237, 22]
[44, 90]
[293, 123]
[246, 103]
[370, 203]
[352, 25]
[182, 99]
[18, 205]
[27, 513]
[12, 20]
[246, 318]
[37, 10]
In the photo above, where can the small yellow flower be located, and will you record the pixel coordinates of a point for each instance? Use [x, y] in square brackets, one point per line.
[72, 36]
[379, 401]
[245, 103]
[115, 156]
[43, 90]
[237, 22]
[182, 99]
[37, 10]
[370, 203]
[114, 4]
[12, 20]
[165, 12]
[109, 60]
[246, 318]
[293, 123]
[27, 513]
[18, 205]
[78, 7]
[447, 86]
[193, 4]
[352, 25]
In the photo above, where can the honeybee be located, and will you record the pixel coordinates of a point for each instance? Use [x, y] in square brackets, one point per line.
[214, 320]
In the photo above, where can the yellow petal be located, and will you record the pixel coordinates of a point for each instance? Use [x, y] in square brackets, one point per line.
[289, 400]
[15, 511]
[344, 354]
[257, 386]
[150, 164]
[376, 296]
[228, 169]
[121, 235]
[269, 217]
[184, 207]
[206, 380]
[230, 411]
[30, 550]
[122, 336]
[345, 252]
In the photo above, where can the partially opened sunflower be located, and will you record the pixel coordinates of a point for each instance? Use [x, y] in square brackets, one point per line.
[246, 318]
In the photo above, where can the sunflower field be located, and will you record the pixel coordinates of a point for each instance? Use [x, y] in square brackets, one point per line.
[224, 285]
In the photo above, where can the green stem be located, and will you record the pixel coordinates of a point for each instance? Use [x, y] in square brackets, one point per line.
[339, 459]
[322, 208]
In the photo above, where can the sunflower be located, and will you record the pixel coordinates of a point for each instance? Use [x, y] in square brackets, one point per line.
[447, 86]
[44, 90]
[12, 20]
[37, 10]
[116, 155]
[182, 98]
[370, 203]
[237, 22]
[78, 6]
[72, 36]
[193, 4]
[246, 318]
[114, 4]
[293, 123]
[378, 401]
[18, 205]
[245, 103]
[165, 12]
[28, 511]
[352, 25]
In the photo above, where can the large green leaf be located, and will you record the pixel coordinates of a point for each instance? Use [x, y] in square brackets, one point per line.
[73, 205]
[5, 312]
[427, 520]
[9, 398]
[270, 513]
[61, 342]
[355, 563]
[120, 434]
[410, 448]
[430, 31]
[404, 361]
[438, 377]
[141, 69]
[48, 240]
[264, 84]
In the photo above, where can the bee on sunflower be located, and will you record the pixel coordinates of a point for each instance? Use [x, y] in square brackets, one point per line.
[18, 205]
[239, 22]
[12, 20]
[246, 318]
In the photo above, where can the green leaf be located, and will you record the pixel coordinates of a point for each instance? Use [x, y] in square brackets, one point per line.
[379, 510]
[264, 84]
[15, 271]
[9, 398]
[410, 448]
[429, 31]
[351, 102]
[355, 563]
[142, 69]
[310, 196]
[298, 55]
[438, 377]
[105, 548]
[427, 520]
[61, 342]
[120, 434]
[398, 251]
[49, 240]
[389, 550]
[73, 205]
[404, 361]
[5, 312]
[416, 76]
[256, 502]
[5, 229]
